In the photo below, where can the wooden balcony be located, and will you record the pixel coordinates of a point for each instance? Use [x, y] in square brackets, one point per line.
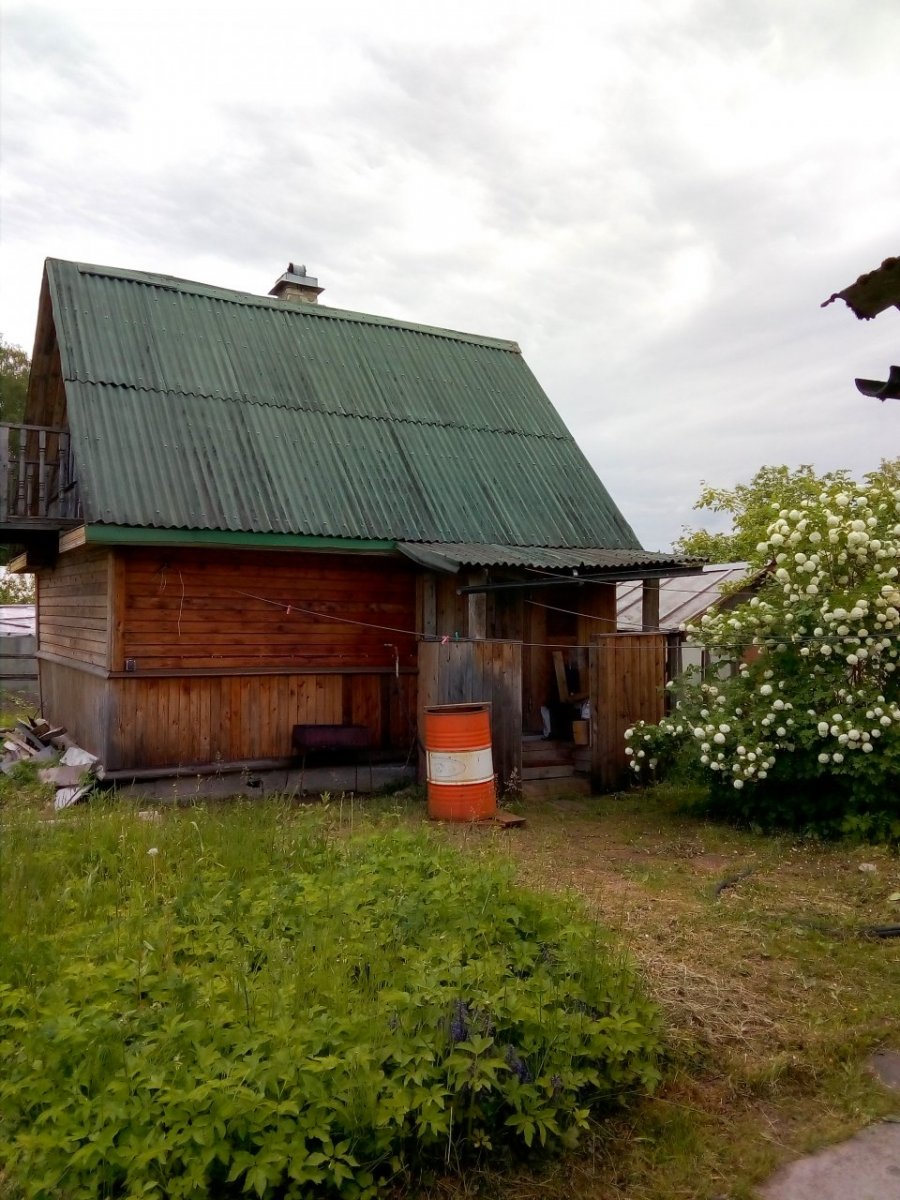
[38, 488]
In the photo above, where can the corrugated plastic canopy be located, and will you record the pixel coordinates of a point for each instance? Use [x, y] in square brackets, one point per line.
[194, 407]
[686, 597]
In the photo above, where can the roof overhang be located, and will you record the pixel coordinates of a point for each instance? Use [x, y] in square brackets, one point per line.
[566, 562]
[126, 535]
[552, 566]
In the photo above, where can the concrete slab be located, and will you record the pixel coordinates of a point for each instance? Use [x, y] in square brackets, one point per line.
[867, 1167]
[64, 777]
[885, 1064]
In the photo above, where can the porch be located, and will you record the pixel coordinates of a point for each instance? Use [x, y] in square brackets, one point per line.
[626, 674]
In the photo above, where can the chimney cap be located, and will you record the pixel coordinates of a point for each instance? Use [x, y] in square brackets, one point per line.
[297, 276]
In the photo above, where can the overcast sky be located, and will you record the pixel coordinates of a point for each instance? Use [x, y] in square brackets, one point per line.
[652, 199]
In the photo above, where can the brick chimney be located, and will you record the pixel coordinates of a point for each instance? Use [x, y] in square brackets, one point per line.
[296, 287]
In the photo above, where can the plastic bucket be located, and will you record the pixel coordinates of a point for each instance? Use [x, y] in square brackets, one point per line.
[460, 767]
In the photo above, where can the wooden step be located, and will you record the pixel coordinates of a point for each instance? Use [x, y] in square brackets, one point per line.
[542, 752]
[549, 759]
[545, 789]
[552, 771]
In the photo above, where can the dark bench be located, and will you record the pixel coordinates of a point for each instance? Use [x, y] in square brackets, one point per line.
[329, 739]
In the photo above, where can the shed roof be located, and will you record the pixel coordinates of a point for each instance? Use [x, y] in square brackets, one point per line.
[684, 598]
[17, 620]
[196, 407]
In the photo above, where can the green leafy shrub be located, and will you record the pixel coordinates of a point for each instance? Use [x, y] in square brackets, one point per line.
[251, 1003]
[807, 732]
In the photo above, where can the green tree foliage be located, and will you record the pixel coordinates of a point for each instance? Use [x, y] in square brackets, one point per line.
[14, 367]
[15, 589]
[807, 731]
[750, 507]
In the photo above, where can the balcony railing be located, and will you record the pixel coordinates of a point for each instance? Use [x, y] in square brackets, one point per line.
[38, 488]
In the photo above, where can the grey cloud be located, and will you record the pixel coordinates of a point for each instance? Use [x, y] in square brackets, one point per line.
[91, 90]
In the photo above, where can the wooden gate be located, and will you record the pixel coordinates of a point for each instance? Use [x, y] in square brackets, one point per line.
[628, 678]
[470, 671]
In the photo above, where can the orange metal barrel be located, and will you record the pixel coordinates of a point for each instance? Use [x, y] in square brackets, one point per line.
[460, 767]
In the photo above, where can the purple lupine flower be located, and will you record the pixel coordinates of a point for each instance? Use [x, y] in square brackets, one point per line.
[518, 1065]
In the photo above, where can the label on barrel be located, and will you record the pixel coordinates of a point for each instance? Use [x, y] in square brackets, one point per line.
[460, 766]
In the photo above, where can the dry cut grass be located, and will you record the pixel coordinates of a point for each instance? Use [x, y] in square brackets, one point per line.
[754, 948]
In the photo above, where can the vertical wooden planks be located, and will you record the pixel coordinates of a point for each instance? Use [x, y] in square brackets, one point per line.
[115, 611]
[365, 704]
[596, 606]
[81, 696]
[627, 679]
[650, 604]
[536, 667]
[477, 606]
[426, 604]
[466, 672]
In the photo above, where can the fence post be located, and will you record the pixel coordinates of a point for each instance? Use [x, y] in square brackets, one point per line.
[5, 477]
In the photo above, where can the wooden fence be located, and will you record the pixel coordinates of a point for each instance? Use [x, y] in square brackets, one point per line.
[470, 671]
[628, 673]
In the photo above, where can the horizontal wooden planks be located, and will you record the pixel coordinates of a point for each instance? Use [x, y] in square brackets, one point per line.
[73, 610]
[204, 608]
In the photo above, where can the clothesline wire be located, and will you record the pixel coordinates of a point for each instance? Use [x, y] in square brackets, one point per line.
[289, 607]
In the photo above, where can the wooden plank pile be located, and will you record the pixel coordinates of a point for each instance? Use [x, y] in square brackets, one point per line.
[71, 770]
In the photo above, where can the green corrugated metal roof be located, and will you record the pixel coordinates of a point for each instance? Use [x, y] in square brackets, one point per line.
[443, 556]
[200, 408]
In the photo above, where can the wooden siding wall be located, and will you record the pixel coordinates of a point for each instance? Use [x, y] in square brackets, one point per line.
[217, 676]
[80, 700]
[73, 607]
[198, 720]
[189, 609]
[452, 609]
[628, 677]
[476, 671]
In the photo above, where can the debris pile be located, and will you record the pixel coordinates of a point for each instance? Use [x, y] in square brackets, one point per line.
[71, 770]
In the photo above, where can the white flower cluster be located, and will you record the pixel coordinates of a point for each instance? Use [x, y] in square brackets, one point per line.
[816, 650]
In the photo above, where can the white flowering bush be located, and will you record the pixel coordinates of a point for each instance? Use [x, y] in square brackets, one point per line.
[808, 730]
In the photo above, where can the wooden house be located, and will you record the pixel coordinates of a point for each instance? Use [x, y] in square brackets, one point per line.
[251, 513]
